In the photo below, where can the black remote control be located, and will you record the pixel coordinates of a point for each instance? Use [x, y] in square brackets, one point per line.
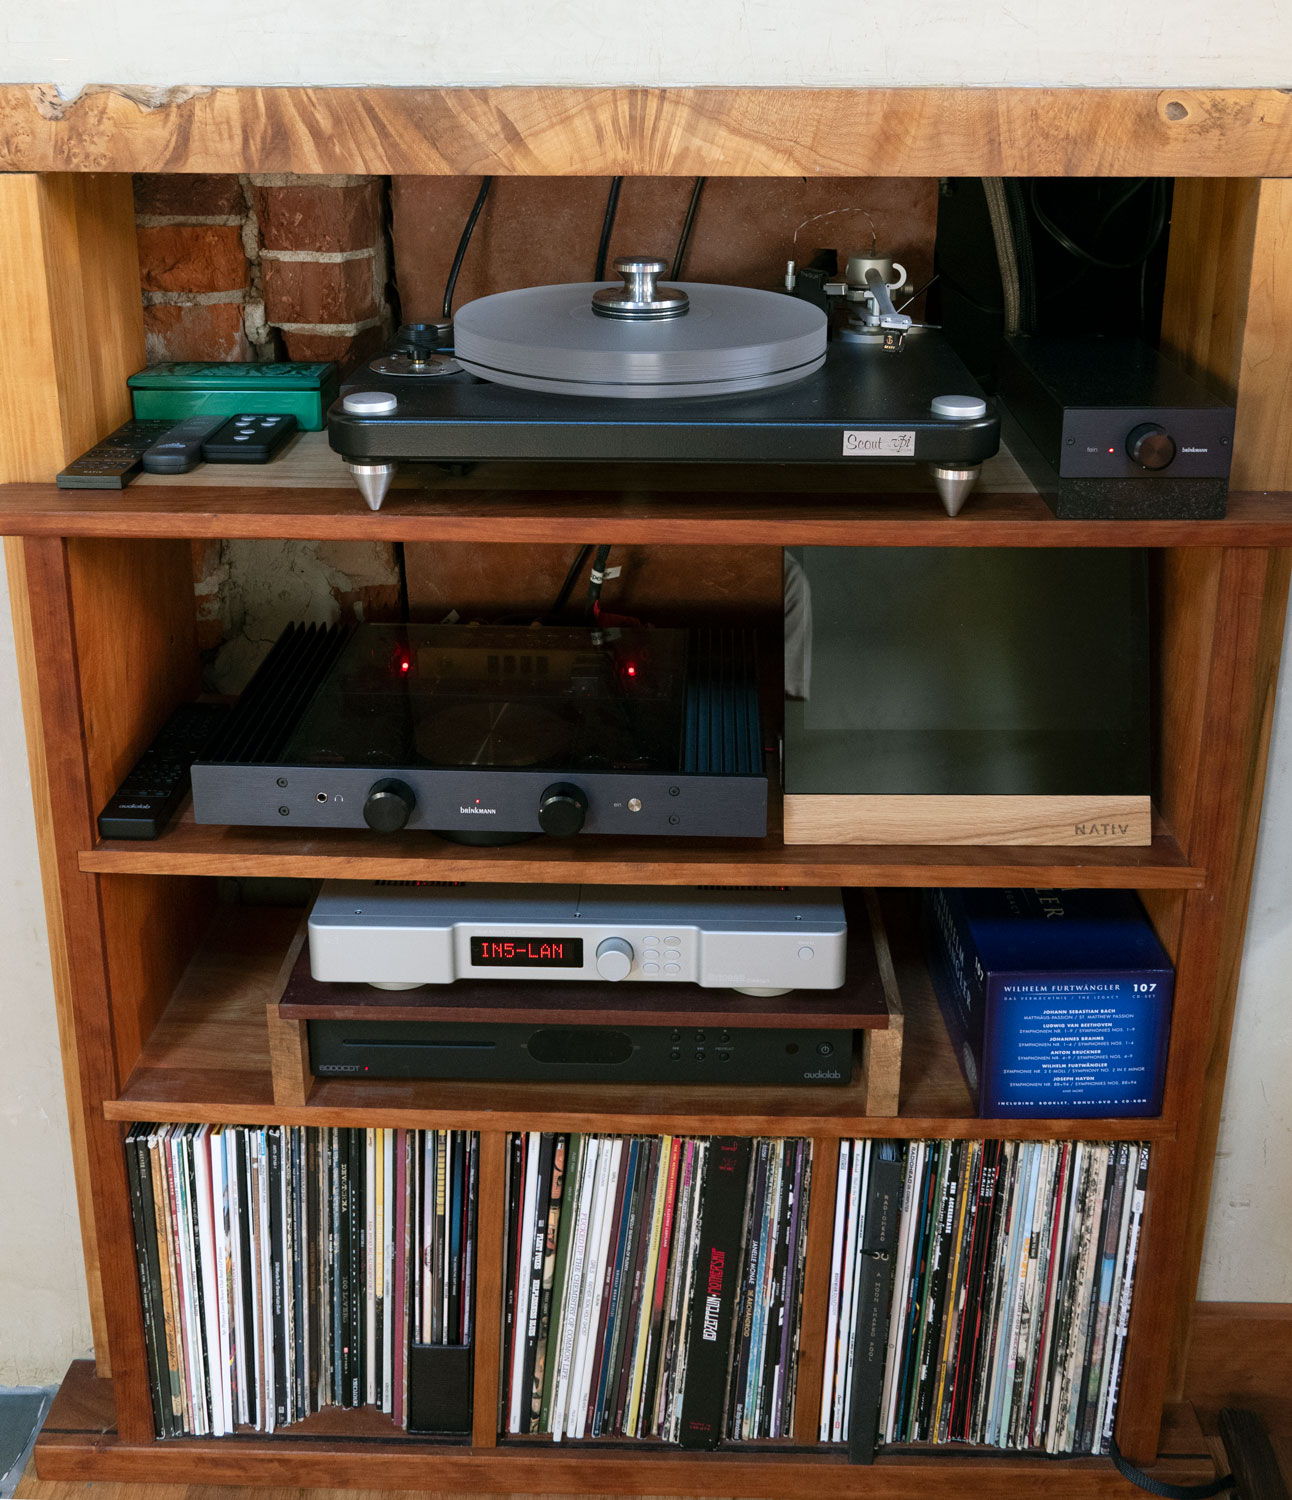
[146, 800]
[180, 449]
[114, 462]
[249, 439]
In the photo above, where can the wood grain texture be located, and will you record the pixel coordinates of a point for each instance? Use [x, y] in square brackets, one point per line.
[73, 317]
[1236, 714]
[58, 934]
[89, 997]
[491, 1243]
[812, 1352]
[751, 132]
[687, 507]
[1228, 311]
[73, 331]
[80, 1426]
[1079, 822]
[188, 848]
[883, 1050]
[209, 1059]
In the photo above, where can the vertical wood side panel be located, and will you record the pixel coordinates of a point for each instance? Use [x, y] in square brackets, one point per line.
[1237, 714]
[1228, 313]
[816, 1290]
[491, 1227]
[57, 699]
[73, 332]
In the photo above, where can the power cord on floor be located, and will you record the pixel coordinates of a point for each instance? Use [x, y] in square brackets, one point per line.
[1160, 1487]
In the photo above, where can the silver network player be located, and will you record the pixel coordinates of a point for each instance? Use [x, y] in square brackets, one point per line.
[398, 936]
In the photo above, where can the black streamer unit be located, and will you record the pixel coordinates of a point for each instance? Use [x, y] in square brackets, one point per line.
[487, 734]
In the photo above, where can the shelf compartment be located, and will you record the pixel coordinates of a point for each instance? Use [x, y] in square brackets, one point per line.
[207, 1061]
[308, 493]
[79, 1442]
[189, 848]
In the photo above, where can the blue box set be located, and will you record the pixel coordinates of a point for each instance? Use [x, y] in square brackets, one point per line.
[1058, 1003]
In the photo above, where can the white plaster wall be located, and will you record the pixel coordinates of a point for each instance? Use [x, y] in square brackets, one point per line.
[1173, 43]
[44, 1319]
[1248, 1254]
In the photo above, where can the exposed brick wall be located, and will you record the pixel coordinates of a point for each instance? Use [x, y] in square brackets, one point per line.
[262, 267]
[323, 263]
[194, 269]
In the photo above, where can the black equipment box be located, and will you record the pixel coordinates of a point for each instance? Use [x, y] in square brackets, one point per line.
[489, 733]
[501, 1052]
[1109, 429]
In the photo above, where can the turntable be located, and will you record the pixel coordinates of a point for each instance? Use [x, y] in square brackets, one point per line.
[687, 372]
[487, 734]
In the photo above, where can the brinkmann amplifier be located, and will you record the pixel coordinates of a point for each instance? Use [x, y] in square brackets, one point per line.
[569, 1054]
[397, 935]
[1109, 429]
[488, 734]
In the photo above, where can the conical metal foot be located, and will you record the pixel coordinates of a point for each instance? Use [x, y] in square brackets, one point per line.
[373, 481]
[954, 485]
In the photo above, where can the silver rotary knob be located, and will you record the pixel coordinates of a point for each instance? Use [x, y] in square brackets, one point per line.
[614, 958]
[640, 296]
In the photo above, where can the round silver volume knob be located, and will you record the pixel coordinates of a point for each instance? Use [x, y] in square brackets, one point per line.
[368, 403]
[639, 297]
[614, 958]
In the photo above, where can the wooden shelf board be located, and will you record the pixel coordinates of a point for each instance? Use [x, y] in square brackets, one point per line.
[189, 848]
[308, 493]
[79, 1441]
[207, 1061]
[940, 131]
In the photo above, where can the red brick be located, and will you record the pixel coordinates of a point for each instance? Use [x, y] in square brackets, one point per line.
[192, 258]
[314, 291]
[191, 194]
[211, 330]
[345, 349]
[319, 218]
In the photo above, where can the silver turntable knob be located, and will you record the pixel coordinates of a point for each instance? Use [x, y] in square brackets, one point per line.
[639, 296]
[614, 958]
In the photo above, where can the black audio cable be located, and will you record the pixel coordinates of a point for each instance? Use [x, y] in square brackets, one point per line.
[607, 227]
[688, 223]
[463, 243]
[571, 578]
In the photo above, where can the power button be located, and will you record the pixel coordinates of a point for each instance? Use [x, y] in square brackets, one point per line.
[807, 952]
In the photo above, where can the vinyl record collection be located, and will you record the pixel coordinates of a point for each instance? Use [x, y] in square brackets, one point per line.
[653, 1286]
[980, 1292]
[282, 1268]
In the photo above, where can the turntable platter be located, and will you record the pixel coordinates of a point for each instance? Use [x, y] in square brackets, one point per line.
[729, 339]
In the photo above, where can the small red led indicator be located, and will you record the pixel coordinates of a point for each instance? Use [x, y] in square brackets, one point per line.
[1112, 450]
[631, 670]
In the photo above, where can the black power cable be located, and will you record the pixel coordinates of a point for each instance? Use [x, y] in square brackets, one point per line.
[607, 227]
[571, 578]
[463, 243]
[688, 223]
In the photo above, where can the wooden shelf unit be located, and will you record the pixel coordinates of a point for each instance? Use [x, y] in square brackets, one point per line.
[161, 1005]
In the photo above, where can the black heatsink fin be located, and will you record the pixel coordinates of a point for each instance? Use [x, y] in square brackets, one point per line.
[272, 702]
[722, 734]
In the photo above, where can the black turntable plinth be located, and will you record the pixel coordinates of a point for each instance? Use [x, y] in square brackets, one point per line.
[724, 375]
[488, 734]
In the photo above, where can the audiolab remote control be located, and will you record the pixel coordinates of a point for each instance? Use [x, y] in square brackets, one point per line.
[180, 449]
[112, 463]
[249, 439]
[156, 784]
